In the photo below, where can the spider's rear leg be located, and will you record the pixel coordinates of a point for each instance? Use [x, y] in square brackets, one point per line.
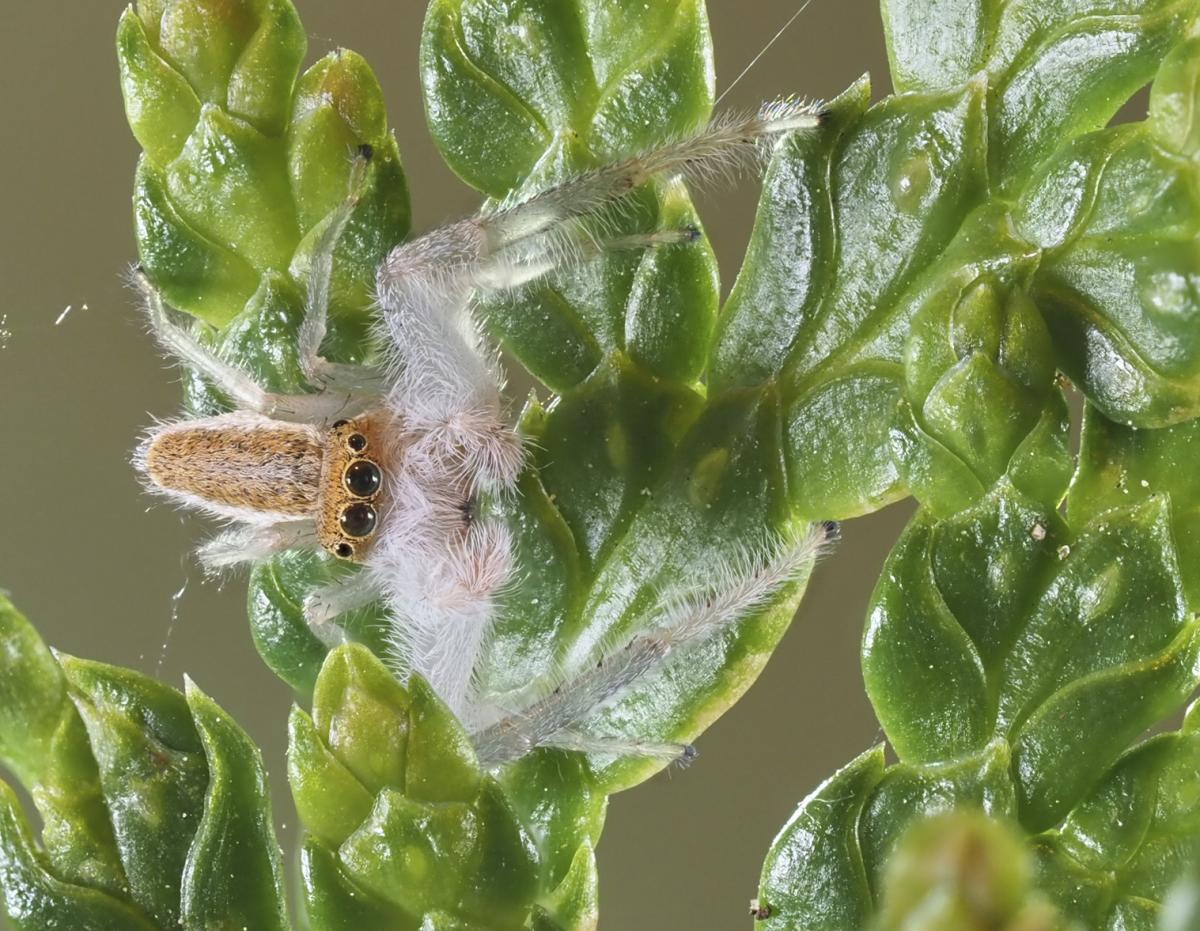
[739, 587]
[542, 255]
[622, 746]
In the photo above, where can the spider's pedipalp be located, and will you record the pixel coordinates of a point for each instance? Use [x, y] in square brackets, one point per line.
[324, 605]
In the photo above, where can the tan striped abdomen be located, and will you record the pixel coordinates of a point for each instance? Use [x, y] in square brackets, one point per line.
[256, 465]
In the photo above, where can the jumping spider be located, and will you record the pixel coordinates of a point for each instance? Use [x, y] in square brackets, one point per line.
[382, 465]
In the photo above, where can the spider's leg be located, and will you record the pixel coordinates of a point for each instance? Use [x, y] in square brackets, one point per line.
[256, 542]
[719, 148]
[324, 605]
[687, 621]
[444, 598]
[538, 256]
[242, 390]
[620, 746]
[455, 256]
[318, 371]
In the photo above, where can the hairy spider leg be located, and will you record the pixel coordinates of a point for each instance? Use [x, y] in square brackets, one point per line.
[620, 746]
[349, 593]
[443, 375]
[742, 586]
[465, 253]
[715, 151]
[317, 370]
[341, 390]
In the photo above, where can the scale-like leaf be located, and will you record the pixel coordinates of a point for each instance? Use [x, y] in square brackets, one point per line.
[1054, 70]
[407, 830]
[1117, 215]
[172, 800]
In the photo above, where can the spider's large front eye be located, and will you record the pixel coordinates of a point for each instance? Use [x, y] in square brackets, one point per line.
[362, 478]
[357, 520]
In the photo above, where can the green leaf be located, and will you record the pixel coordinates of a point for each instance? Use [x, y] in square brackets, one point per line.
[244, 162]
[999, 622]
[361, 712]
[1054, 71]
[814, 877]
[155, 807]
[330, 801]
[35, 899]
[44, 743]
[406, 830]
[1122, 466]
[612, 79]
[1117, 215]
[333, 903]
[153, 773]
[233, 877]
[848, 220]
[573, 904]
[962, 872]
[906, 792]
[1133, 834]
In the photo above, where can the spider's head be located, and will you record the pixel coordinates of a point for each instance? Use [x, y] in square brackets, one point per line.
[352, 484]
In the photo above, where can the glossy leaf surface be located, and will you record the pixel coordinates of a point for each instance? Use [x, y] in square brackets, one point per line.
[170, 791]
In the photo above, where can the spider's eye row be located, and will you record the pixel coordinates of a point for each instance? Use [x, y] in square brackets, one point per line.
[357, 520]
[362, 478]
[344, 550]
[356, 442]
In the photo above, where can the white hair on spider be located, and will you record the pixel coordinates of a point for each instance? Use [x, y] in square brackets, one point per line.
[385, 465]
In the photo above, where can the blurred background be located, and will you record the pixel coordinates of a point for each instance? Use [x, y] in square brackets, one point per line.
[94, 565]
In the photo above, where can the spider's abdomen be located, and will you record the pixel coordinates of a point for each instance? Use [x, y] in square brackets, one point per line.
[237, 464]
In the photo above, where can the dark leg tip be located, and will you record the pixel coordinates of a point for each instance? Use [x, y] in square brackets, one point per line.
[692, 233]
[366, 152]
[833, 530]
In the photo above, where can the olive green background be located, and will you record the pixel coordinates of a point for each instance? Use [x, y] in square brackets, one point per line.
[94, 561]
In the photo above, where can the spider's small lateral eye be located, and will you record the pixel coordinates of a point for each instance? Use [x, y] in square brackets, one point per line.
[357, 520]
[343, 550]
[339, 423]
[356, 442]
[362, 478]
